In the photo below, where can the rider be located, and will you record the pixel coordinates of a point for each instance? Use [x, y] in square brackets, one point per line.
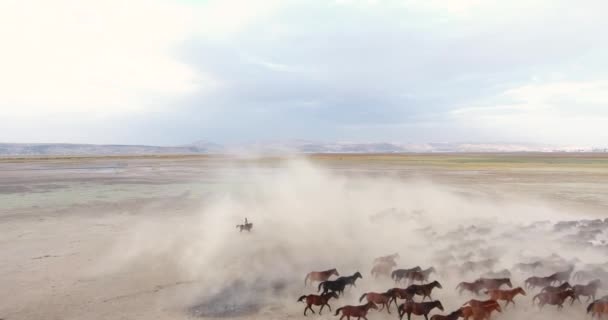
[245, 220]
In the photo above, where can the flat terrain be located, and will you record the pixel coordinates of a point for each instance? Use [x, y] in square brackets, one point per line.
[118, 237]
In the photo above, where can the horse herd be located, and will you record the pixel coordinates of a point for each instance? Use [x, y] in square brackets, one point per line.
[410, 283]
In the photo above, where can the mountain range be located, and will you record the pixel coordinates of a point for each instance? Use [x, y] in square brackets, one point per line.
[275, 147]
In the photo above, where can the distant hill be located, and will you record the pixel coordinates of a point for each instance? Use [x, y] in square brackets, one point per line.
[273, 147]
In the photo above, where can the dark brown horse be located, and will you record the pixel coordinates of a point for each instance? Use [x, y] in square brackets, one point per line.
[317, 300]
[505, 295]
[490, 284]
[421, 276]
[320, 275]
[553, 298]
[588, 290]
[382, 299]
[536, 282]
[418, 308]
[559, 288]
[400, 274]
[424, 290]
[399, 293]
[451, 316]
[473, 287]
[356, 311]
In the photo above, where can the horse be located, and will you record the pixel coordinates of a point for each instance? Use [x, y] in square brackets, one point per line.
[399, 293]
[320, 275]
[383, 268]
[424, 290]
[421, 276]
[588, 290]
[387, 259]
[350, 280]
[474, 287]
[418, 308]
[494, 283]
[480, 312]
[356, 311]
[597, 308]
[534, 282]
[451, 316]
[317, 300]
[379, 299]
[553, 298]
[337, 286]
[506, 295]
[552, 289]
[245, 226]
[561, 276]
[401, 274]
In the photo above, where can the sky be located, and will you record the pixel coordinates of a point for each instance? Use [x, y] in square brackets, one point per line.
[166, 72]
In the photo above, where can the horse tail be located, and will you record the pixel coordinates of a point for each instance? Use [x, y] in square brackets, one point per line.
[306, 279]
[363, 296]
[590, 306]
[338, 311]
[459, 286]
[320, 285]
[536, 297]
[302, 298]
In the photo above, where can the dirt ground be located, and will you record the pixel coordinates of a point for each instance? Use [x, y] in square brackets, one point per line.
[144, 237]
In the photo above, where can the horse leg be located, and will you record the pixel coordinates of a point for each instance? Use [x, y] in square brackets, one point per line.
[388, 308]
[426, 316]
[342, 317]
[328, 306]
[321, 309]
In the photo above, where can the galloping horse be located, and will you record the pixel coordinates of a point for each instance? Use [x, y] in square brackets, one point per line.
[424, 290]
[246, 226]
[387, 259]
[421, 276]
[451, 316]
[506, 295]
[401, 274]
[480, 312]
[320, 275]
[336, 286]
[379, 299]
[490, 284]
[313, 299]
[474, 287]
[356, 311]
[553, 298]
[588, 290]
[418, 308]
[383, 268]
[350, 280]
[534, 282]
[597, 308]
[399, 293]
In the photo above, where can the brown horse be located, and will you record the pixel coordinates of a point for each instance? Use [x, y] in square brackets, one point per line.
[418, 308]
[317, 300]
[398, 293]
[480, 312]
[598, 308]
[535, 282]
[588, 290]
[421, 276]
[490, 284]
[473, 287]
[424, 290]
[553, 298]
[451, 316]
[320, 275]
[505, 295]
[356, 311]
[562, 287]
[383, 269]
[379, 299]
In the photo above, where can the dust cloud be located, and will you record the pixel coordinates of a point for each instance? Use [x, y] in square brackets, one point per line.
[307, 218]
